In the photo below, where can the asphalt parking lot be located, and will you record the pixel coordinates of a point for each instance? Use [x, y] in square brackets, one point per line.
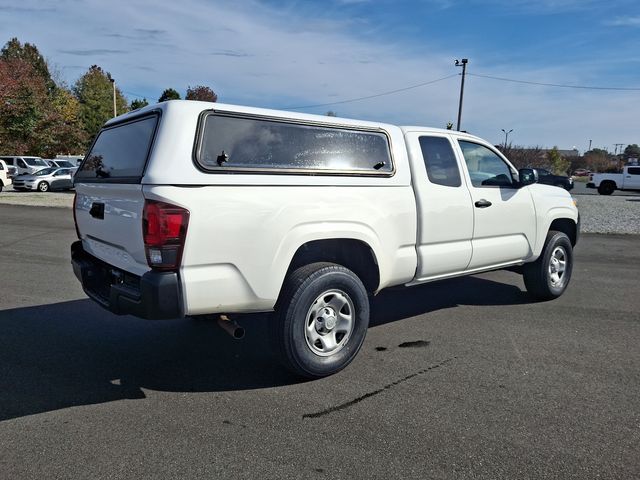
[465, 378]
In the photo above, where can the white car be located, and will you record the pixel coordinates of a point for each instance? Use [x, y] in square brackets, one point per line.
[51, 178]
[189, 208]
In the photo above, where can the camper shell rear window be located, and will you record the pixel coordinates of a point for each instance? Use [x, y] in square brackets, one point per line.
[119, 153]
[233, 143]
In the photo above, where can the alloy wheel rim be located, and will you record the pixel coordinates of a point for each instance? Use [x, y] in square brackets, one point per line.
[329, 322]
[557, 266]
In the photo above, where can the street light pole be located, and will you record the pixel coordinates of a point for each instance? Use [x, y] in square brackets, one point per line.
[462, 63]
[113, 83]
[506, 136]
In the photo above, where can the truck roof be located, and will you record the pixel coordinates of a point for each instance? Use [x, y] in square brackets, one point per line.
[194, 107]
[190, 107]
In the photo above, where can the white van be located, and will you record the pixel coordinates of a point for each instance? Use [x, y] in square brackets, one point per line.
[25, 164]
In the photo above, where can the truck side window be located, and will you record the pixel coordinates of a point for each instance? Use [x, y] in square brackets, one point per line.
[21, 164]
[634, 171]
[440, 161]
[246, 143]
[486, 168]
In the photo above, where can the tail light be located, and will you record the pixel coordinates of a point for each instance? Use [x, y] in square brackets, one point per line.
[75, 219]
[164, 228]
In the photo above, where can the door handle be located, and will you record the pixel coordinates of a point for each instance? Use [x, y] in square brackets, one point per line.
[483, 203]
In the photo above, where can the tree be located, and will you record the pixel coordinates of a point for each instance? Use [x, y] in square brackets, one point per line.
[65, 127]
[94, 91]
[23, 98]
[559, 165]
[202, 93]
[524, 157]
[599, 160]
[13, 49]
[632, 151]
[136, 104]
[169, 94]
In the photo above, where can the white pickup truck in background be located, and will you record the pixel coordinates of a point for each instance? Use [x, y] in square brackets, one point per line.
[607, 183]
[188, 208]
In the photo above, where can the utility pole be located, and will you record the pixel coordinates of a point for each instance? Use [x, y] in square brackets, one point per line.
[589, 146]
[462, 63]
[506, 136]
[113, 83]
[618, 145]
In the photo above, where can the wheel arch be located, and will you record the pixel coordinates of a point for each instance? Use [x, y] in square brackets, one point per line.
[354, 254]
[566, 226]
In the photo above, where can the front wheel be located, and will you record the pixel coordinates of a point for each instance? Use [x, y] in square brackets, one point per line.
[548, 277]
[320, 320]
[43, 187]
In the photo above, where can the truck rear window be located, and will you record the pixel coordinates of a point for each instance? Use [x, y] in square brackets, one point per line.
[119, 153]
[248, 143]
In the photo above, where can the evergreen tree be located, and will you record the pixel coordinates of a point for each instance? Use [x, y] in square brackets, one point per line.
[136, 104]
[169, 94]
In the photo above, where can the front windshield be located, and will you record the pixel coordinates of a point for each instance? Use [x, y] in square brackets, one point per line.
[64, 163]
[36, 162]
[45, 171]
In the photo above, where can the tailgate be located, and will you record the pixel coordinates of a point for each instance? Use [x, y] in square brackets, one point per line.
[109, 219]
[109, 201]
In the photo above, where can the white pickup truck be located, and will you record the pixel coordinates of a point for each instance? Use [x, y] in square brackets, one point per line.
[607, 183]
[188, 208]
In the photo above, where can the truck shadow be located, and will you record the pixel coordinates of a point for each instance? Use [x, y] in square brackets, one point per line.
[74, 353]
[405, 302]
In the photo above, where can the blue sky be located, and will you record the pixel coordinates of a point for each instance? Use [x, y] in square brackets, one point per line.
[289, 54]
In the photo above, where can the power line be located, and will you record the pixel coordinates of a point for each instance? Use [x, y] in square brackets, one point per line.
[559, 85]
[374, 96]
[134, 94]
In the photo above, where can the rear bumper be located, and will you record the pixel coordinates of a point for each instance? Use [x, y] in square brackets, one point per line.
[154, 295]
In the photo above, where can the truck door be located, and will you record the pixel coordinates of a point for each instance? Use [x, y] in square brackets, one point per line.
[632, 178]
[504, 216]
[445, 212]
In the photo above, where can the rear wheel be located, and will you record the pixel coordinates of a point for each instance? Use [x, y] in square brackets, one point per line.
[321, 319]
[43, 187]
[548, 277]
[606, 188]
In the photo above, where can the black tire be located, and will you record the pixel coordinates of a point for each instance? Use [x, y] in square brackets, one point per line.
[543, 279]
[1, 185]
[606, 188]
[43, 187]
[296, 322]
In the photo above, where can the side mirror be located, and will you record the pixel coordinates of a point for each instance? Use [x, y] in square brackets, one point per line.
[527, 176]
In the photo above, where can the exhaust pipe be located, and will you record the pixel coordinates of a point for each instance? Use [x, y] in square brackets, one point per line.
[231, 327]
